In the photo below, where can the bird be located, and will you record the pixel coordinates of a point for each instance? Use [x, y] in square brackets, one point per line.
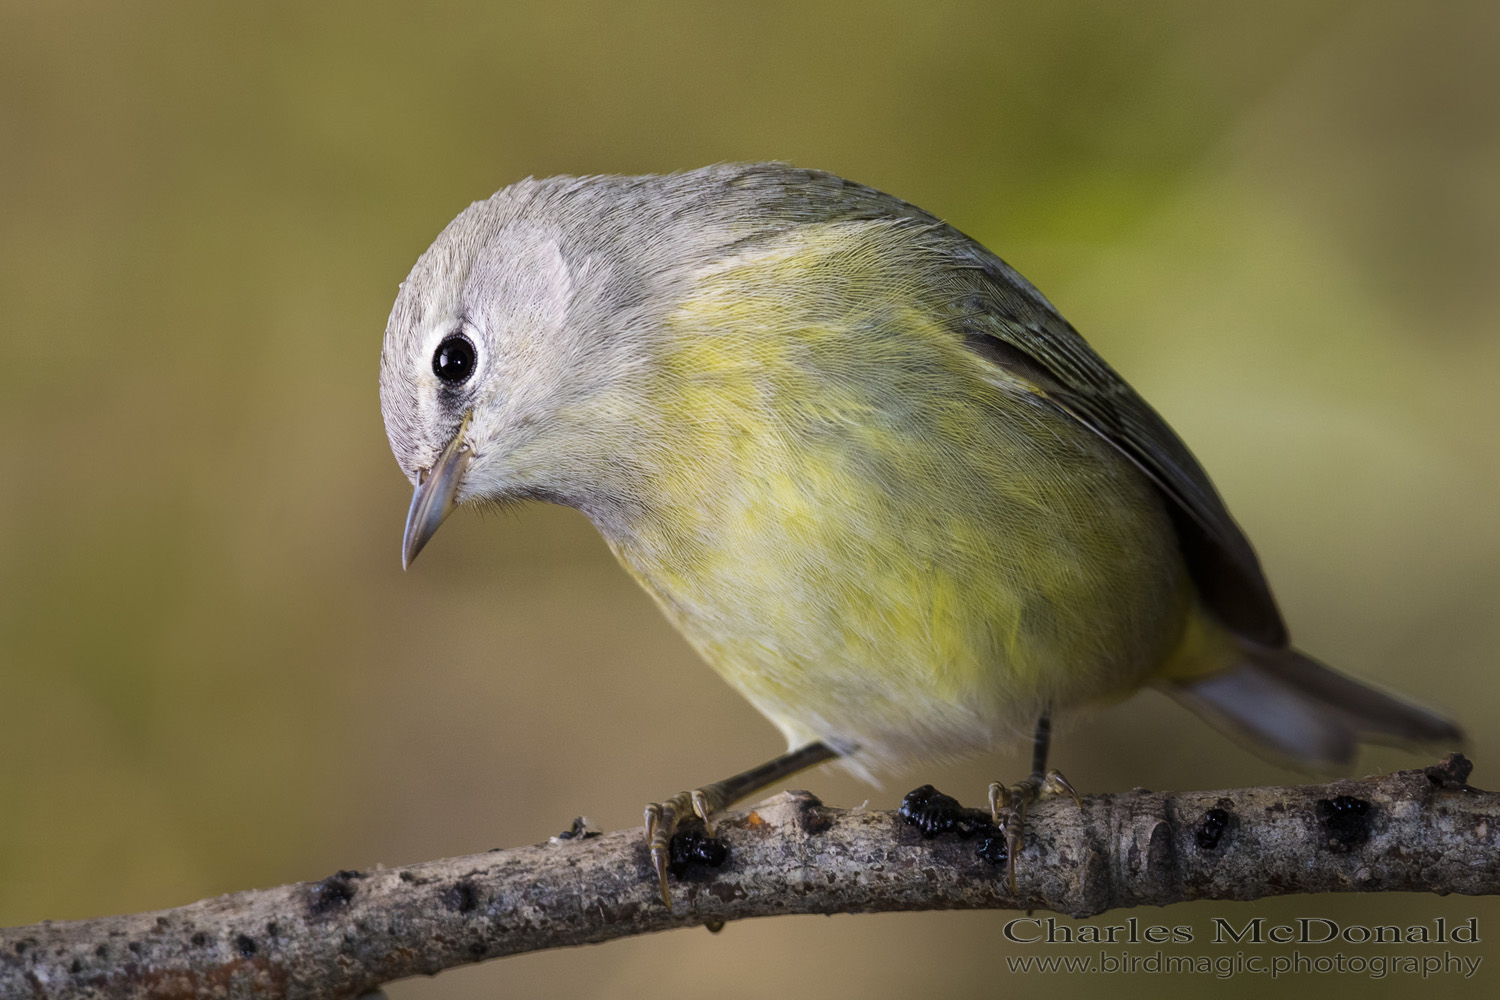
[864, 467]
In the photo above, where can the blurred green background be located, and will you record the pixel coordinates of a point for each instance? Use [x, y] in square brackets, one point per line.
[1280, 220]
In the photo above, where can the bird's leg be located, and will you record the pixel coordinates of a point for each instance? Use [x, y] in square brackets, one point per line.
[1008, 805]
[662, 818]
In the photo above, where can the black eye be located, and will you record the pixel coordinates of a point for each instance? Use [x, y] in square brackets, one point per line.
[453, 361]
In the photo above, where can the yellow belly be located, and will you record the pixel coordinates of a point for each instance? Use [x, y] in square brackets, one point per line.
[883, 549]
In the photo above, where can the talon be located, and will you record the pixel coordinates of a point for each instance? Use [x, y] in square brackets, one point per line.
[661, 823]
[999, 799]
[662, 819]
[1013, 848]
[704, 809]
[1055, 784]
[659, 859]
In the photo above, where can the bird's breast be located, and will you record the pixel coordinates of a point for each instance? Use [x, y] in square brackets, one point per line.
[875, 542]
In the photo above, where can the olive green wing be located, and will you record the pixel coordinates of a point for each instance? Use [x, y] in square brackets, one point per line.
[1003, 318]
[1007, 321]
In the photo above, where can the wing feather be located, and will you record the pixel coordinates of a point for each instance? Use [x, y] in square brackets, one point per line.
[1006, 321]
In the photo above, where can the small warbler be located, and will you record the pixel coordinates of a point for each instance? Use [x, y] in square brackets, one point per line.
[867, 469]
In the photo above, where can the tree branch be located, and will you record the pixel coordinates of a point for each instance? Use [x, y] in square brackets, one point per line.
[1411, 831]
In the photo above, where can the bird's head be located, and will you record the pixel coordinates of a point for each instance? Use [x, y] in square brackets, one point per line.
[498, 367]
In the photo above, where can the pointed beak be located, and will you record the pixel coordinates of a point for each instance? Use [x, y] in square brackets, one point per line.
[433, 501]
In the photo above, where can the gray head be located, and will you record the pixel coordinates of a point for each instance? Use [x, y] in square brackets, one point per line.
[516, 350]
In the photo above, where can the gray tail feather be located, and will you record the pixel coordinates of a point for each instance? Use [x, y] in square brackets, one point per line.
[1290, 705]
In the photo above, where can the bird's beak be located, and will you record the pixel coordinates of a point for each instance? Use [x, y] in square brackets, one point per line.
[433, 500]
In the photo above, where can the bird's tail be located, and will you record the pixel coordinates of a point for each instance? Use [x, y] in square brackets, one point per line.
[1291, 706]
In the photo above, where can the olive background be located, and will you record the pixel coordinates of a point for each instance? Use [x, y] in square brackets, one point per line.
[1280, 220]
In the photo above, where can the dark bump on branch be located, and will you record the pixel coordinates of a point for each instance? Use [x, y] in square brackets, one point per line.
[695, 847]
[995, 850]
[461, 896]
[333, 892]
[1452, 772]
[934, 813]
[1345, 821]
[1212, 827]
[578, 830]
[812, 818]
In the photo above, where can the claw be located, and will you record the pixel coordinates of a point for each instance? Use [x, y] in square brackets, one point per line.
[999, 799]
[1055, 784]
[661, 823]
[704, 808]
[659, 862]
[1012, 848]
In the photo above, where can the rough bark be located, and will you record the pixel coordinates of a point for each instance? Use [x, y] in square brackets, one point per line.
[1412, 831]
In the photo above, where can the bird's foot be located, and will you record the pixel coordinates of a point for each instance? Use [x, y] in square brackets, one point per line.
[1008, 807]
[672, 850]
[662, 822]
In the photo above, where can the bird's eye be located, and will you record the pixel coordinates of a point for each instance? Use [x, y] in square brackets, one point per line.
[453, 361]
